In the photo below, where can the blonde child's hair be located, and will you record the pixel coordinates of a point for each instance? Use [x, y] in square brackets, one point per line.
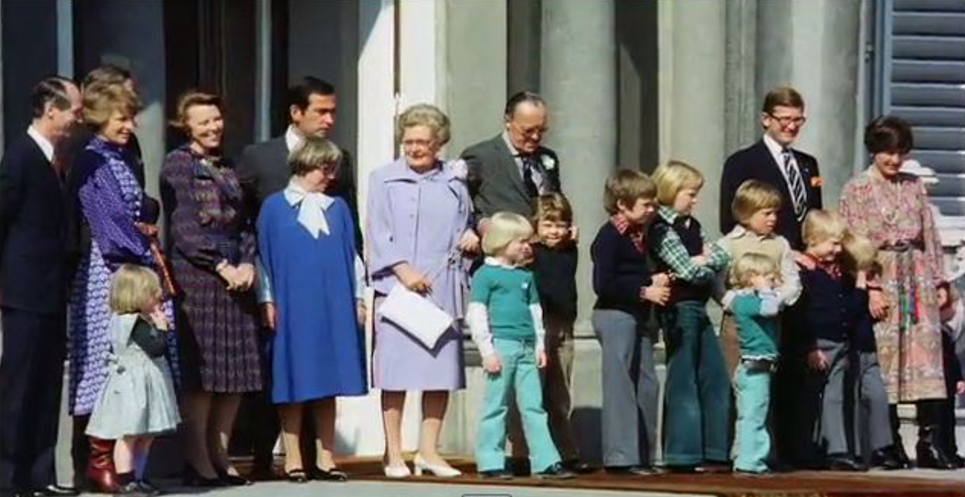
[552, 206]
[823, 225]
[673, 176]
[753, 196]
[748, 266]
[860, 253]
[132, 287]
[504, 227]
[626, 186]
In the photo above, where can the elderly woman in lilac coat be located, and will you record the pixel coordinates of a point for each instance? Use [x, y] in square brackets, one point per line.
[418, 229]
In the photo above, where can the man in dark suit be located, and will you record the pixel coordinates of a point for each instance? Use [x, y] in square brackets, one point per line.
[33, 292]
[264, 170]
[774, 161]
[509, 170]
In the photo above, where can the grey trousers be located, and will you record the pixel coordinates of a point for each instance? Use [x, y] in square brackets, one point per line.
[831, 386]
[873, 399]
[630, 389]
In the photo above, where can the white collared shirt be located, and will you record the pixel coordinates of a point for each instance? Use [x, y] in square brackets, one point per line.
[292, 138]
[777, 151]
[536, 172]
[45, 146]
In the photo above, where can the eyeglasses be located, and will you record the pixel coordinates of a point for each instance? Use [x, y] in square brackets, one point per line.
[786, 121]
[535, 132]
[411, 144]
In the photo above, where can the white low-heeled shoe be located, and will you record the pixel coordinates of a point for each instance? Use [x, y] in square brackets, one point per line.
[441, 471]
[397, 471]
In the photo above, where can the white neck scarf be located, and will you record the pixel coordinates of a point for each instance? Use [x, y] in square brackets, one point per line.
[311, 212]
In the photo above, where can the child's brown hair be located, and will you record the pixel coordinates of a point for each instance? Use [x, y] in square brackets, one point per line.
[625, 187]
[553, 207]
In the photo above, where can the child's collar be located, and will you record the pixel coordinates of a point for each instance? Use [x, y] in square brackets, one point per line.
[494, 261]
[740, 232]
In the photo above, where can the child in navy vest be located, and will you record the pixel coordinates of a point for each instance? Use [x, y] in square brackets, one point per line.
[697, 389]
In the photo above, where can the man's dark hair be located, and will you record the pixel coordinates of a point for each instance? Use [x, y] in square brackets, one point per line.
[889, 134]
[300, 92]
[108, 74]
[518, 98]
[52, 90]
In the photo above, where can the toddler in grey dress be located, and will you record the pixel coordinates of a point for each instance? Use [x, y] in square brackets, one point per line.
[138, 400]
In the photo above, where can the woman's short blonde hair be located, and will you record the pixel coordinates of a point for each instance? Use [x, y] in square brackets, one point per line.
[424, 115]
[190, 99]
[132, 288]
[748, 266]
[860, 253]
[626, 186]
[314, 153]
[101, 100]
[673, 176]
[753, 196]
[504, 227]
[822, 225]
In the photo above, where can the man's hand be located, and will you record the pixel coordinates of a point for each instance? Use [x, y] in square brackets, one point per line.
[817, 361]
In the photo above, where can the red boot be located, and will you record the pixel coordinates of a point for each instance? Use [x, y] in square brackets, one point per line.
[100, 470]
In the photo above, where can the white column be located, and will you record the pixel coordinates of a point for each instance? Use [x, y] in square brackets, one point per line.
[359, 421]
[422, 53]
[692, 93]
[578, 81]
[376, 90]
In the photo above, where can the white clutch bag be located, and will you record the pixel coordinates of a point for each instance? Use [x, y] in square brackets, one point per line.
[415, 314]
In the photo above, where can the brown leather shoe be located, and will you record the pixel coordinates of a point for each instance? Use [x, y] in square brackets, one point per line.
[100, 470]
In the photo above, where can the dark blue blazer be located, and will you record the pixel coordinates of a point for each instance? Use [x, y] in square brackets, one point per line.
[756, 162]
[33, 262]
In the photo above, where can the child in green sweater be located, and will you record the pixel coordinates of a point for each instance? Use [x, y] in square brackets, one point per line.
[755, 308]
[506, 321]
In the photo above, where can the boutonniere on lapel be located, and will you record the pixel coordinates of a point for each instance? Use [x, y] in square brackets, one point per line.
[817, 182]
[549, 163]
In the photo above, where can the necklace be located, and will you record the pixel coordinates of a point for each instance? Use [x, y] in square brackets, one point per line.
[886, 200]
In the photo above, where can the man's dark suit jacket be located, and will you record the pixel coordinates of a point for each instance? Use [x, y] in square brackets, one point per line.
[756, 162]
[495, 183]
[33, 265]
[263, 170]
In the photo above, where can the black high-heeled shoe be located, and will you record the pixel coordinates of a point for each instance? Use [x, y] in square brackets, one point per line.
[191, 478]
[333, 474]
[230, 480]
[297, 476]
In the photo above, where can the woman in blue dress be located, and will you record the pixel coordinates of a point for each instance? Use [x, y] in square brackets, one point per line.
[307, 249]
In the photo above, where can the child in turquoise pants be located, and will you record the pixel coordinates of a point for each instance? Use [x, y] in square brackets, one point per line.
[755, 309]
[506, 321]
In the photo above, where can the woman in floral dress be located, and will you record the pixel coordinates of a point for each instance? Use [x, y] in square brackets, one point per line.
[892, 209]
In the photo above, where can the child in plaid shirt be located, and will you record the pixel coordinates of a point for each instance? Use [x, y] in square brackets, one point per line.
[697, 389]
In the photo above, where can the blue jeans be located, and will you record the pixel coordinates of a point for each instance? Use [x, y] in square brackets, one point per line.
[753, 402]
[519, 373]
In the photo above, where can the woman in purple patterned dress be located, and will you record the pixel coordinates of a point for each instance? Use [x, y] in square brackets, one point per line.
[212, 258]
[116, 210]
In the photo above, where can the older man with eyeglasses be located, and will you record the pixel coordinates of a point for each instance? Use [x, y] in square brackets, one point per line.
[774, 161]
